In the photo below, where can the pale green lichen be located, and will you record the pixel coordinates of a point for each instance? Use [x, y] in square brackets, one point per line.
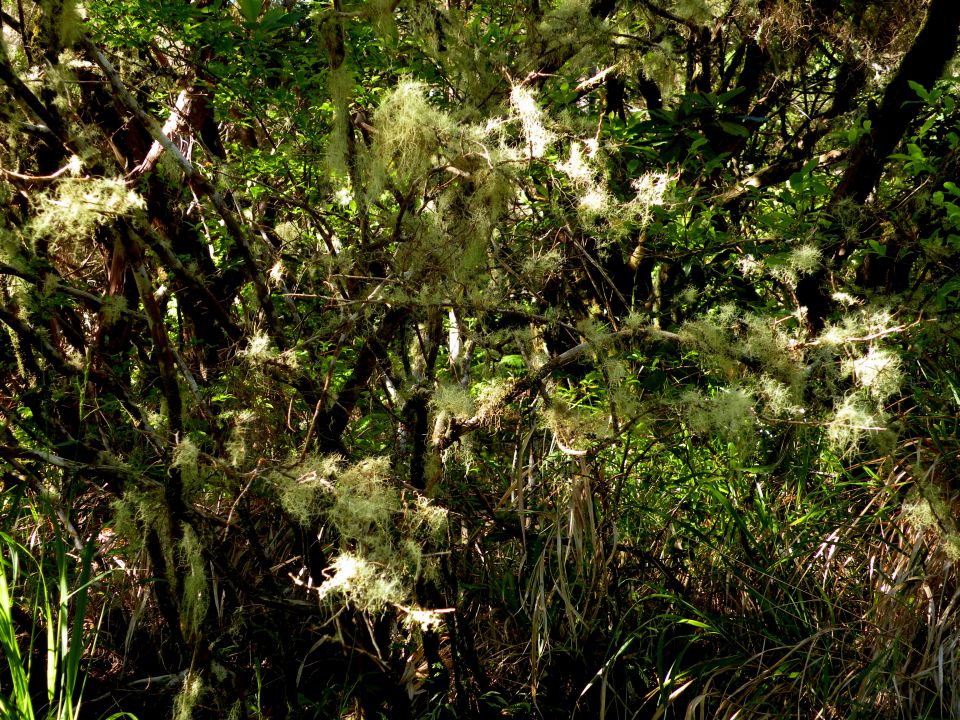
[61, 20]
[576, 167]
[651, 189]
[364, 502]
[382, 534]
[543, 266]
[854, 419]
[429, 518]
[409, 133]
[340, 85]
[595, 202]
[259, 348]
[196, 597]
[846, 299]
[186, 456]
[878, 370]
[661, 66]
[926, 509]
[805, 259]
[524, 104]
[141, 511]
[698, 12]
[490, 396]
[710, 337]
[801, 260]
[423, 22]
[781, 400]
[72, 210]
[422, 620]
[860, 323]
[729, 413]
[381, 14]
[773, 349]
[361, 582]
[112, 309]
[454, 400]
[188, 696]
[305, 493]
[237, 446]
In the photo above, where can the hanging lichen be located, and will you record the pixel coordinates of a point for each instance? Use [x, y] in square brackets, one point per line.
[196, 593]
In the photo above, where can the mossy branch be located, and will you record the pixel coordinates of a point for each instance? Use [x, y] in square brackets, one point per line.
[333, 420]
[59, 363]
[43, 113]
[459, 428]
[197, 181]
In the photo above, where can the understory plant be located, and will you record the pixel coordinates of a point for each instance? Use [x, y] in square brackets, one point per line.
[45, 630]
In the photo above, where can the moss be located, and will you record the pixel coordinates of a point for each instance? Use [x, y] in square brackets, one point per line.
[408, 135]
[853, 421]
[69, 213]
[186, 457]
[535, 133]
[196, 596]
[188, 696]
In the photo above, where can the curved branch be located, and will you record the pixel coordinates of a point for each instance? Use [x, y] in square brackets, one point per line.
[459, 428]
[923, 64]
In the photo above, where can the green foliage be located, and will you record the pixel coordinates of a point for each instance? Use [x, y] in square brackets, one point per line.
[50, 594]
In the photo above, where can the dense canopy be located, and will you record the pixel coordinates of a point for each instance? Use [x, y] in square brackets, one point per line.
[438, 358]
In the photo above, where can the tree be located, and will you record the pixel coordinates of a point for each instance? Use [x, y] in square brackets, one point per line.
[451, 358]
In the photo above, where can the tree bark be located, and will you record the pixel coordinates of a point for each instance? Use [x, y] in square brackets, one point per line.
[923, 64]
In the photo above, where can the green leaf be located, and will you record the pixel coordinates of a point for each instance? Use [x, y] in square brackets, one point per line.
[734, 129]
[945, 291]
[920, 90]
[811, 165]
[514, 362]
[695, 623]
[250, 10]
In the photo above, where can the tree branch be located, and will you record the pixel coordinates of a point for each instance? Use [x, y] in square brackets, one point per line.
[459, 428]
[198, 181]
[924, 63]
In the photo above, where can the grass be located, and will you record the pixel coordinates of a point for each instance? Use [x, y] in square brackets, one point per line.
[45, 631]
